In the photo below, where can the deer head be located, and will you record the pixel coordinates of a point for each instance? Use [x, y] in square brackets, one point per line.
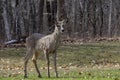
[60, 25]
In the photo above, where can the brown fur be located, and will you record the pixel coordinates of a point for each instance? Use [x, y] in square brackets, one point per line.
[48, 44]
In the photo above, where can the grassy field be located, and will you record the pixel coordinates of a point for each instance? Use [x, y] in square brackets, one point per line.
[87, 61]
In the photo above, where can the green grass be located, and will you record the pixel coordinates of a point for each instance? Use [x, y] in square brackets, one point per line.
[74, 75]
[88, 61]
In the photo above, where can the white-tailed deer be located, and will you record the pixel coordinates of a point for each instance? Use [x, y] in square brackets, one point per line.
[48, 44]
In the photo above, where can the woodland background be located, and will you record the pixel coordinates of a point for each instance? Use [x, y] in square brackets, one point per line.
[86, 18]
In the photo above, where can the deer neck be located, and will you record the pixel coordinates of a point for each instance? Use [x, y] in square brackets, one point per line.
[56, 33]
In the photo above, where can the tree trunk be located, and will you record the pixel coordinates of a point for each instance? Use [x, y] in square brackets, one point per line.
[5, 18]
[109, 19]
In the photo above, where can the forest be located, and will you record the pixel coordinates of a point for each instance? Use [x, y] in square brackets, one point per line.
[90, 48]
[86, 18]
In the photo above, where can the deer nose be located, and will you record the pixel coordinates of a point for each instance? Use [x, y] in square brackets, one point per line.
[63, 30]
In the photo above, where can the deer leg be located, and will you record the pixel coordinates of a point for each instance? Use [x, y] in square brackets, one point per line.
[25, 63]
[25, 68]
[55, 66]
[48, 63]
[34, 58]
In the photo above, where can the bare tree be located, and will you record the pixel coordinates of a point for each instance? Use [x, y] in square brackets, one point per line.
[6, 24]
[110, 18]
[86, 18]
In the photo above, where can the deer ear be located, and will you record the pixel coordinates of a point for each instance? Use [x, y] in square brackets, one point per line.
[66, 20]
[63, 21]
[55, 21]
